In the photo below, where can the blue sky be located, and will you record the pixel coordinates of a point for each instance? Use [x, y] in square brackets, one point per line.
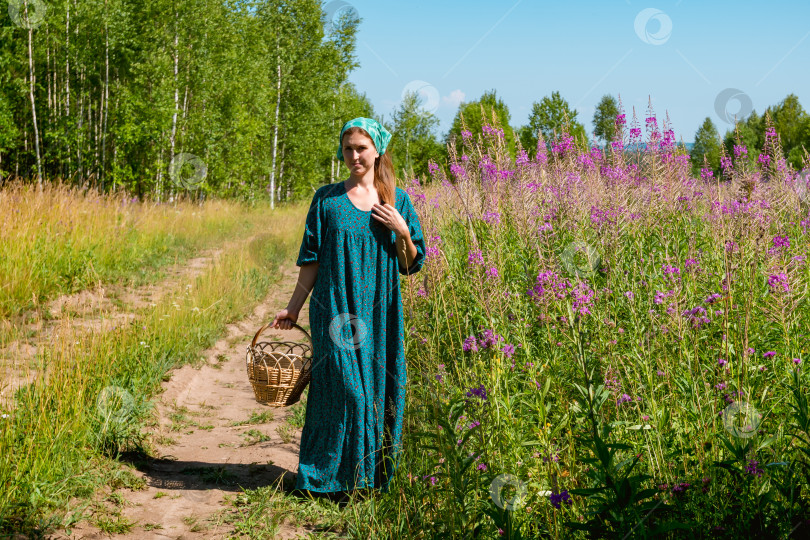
[681, 53]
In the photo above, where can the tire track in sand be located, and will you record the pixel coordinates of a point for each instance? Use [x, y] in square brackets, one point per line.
[202, 457]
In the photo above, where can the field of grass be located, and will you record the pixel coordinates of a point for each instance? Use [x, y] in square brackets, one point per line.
[60, 435]
[606, 347]
[63, 240]
[600, 346]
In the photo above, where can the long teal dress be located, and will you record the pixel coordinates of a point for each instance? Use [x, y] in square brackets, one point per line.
[353, 429]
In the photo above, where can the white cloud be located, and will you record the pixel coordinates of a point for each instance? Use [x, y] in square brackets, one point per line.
[454, 99]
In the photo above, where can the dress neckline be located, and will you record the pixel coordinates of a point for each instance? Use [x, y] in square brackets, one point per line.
[346, 193]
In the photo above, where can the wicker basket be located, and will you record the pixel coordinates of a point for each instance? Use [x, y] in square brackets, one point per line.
[279, 371]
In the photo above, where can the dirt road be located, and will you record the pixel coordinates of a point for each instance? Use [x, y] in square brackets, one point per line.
[212, 440]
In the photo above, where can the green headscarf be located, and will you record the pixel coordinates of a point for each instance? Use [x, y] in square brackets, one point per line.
[378, 134]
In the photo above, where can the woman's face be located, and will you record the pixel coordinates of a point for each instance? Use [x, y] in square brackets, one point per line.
[359, 153]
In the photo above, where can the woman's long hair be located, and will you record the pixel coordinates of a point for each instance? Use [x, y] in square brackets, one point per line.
[385, 180]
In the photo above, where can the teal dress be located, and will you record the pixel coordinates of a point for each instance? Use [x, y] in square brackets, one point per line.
[353, 429]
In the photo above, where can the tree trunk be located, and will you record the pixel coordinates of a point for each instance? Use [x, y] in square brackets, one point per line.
[176, 89]
[79, 129]
[275, 132]
[32, 80]
[106, 98]
[67, 83]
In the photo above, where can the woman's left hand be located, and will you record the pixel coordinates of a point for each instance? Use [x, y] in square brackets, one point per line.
[391, 218]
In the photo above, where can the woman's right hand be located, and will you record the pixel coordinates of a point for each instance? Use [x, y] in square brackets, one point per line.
[284, 319]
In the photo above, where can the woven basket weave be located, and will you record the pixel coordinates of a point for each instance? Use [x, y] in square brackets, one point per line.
[279, 371]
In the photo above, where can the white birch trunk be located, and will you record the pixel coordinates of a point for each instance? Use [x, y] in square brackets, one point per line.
[275, 136]
[32, 80]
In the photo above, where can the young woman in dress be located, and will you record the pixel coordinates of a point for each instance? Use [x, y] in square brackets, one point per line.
[360, 236]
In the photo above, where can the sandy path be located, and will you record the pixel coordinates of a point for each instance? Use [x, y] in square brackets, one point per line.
[203, 456]
[98, 309]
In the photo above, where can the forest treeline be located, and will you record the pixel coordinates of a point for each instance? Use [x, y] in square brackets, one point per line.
[243, 99]
[244, 95]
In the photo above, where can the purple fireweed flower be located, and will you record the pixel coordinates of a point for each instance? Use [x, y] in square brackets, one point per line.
[711, 299]
[669, 270]
[458, 171]
[475, 257]
[557, 498]
[661, 296]
[481, 467]
[775, 281]
[466, 134]
[697, 317]
[611, 382]
[764, 159]
[583, 298]
[740, 150]
[549, 285]
[522, 158]
[680, 488]
[492, 272]
[492, 218]
[623, 399]
[508, 350]
[753, 468]
[479, 392]
[781, 241]
[489, 339]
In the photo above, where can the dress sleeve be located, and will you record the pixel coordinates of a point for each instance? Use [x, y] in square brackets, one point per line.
[313, 233]
[415, 229]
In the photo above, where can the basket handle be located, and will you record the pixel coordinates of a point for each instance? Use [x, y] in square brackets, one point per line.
[266, 326]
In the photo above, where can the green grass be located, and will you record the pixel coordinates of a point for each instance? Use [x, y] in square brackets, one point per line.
[57, 241]
[64, 432]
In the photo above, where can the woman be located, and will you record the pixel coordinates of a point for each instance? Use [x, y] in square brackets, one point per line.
[353, 251]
